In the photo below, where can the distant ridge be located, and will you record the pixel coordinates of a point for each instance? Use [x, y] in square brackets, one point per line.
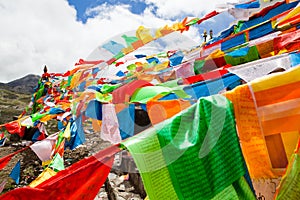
[23, 85]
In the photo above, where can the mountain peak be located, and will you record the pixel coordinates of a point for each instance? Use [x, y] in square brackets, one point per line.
[24, 85]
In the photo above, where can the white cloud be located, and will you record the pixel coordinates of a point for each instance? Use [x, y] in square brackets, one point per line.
[195, 8]
[37, 33]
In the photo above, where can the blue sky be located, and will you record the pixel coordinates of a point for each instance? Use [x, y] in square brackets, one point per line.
[134, 6]
[58, 33]
[138, 7]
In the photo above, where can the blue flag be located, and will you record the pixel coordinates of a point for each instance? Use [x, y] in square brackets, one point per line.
[15, 173]
[2, 141]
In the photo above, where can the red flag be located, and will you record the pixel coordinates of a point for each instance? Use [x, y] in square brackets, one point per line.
[289, 41]
[218, 73]
[15, 128]
[5, 160]
[123, 93]
[82, 180]
[207, 16]
[95, 62]
[1, 135]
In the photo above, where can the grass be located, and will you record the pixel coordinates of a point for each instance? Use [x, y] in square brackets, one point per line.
[12, 104]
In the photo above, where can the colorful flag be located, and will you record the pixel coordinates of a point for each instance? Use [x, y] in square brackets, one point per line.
[266, 112]
[94, 110]
[45, 175]
[193, 155]
[77, 134]
[126, 119]
[82, 180]
[15, 173]
[15, 128]
[2, 185]
[2, 141]
[44, 148]
[57, 163]
[262, 67]
[5, 160]
[110, 126]
[289, 187]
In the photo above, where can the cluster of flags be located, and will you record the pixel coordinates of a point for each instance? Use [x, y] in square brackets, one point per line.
[195, 97]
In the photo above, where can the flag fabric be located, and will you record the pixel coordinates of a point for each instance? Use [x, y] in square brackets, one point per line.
[94, 110]
[266, 112]
[159, 111]
[289, 187]
[5, 160]
[123, 93]
[126, 119]
[15, 128]
[2, 141]
[44, 148]
[45, 175]
[77, 134]
[82, 180]
[193, 155]
[110, 127]
[57, 163]
[2, 185]
[15, 173]
[262, 67]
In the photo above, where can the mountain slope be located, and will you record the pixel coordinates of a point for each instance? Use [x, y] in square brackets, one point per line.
[12, 104]
[23, 85]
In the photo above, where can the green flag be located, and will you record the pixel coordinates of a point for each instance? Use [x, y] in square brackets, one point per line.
[57, 163]
[196, 152]
[289, 187]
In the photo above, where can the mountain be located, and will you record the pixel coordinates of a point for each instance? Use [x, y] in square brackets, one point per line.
[12, 104]
[24, 85]
[15, 96]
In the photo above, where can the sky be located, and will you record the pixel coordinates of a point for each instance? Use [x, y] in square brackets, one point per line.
[57, 33]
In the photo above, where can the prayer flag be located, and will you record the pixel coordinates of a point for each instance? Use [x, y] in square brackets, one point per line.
[92, 173]
[266, 112]
[15, 173]
[44, 148]
[193, 155]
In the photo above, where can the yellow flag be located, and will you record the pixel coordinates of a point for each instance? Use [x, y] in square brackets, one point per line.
[67, 133]
[45, 175]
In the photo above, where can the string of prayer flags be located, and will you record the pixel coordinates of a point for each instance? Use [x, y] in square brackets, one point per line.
[166, 80]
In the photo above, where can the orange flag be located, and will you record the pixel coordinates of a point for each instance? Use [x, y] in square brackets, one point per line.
[267, 116]
[159, 111]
